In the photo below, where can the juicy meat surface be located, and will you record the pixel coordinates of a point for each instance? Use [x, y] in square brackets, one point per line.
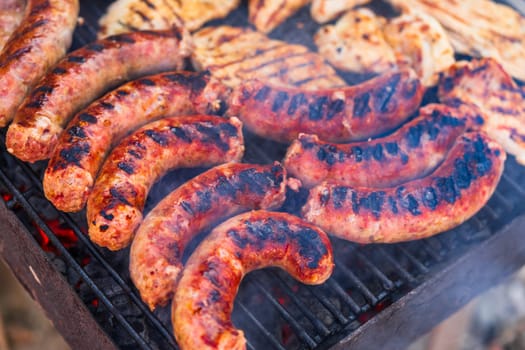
[326, 10]
[82, 76]
[42, 38]
[132, 15]
[234, 55]
[221, 192]
[265, 15]
[201, 310]
[417, 209]
[11, 14]
[344, 114]
[94, 131]
[412, 151]
[484, 84]
[114, 207]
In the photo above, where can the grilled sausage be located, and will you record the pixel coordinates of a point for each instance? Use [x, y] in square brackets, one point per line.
[337, 115]
[11, 14]
[412, 151]
[458, 188]
[82, 76]
[200, 203]
[114, 207]
[44, 36]
[94, 131]
[201, 310]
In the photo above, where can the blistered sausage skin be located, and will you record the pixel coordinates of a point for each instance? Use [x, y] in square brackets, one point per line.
[42, 38]
[94, 131]
[82, 76]
[203, 302]
[200, 203]
[114, 207]
[412, 151]
[337, 115]
[453, 193]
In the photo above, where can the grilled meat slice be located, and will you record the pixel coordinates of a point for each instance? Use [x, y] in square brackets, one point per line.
[480, 28]
[234, 55]
[132, 15]
[325, 10]
[11, 14]
[356, 43]
[485, 85]
[265, 15]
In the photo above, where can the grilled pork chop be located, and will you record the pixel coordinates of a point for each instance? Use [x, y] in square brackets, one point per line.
[131, 15]
[265, 15]
[323, 11]
[235, 54]
[480, 28]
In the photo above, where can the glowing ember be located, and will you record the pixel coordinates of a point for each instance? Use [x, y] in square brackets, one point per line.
[65, 234]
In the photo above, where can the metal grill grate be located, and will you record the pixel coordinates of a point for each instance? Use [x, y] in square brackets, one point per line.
[272, 308]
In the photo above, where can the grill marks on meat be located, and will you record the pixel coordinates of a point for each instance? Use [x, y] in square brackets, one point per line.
[453, 193]
[234, 55]
[337, 115]
[11, 14]
[200, 203]
[132, 15]
[43, 37]
[201, 310]
[94, 131]
[323, 11]
[265, 15]
[84, 75]
[484, 85]
[142, 158]
[412, 151]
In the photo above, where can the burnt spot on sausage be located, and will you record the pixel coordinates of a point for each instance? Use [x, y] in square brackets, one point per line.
[310, 246]
[119, 196]
[181, 134]
[355, 202]
[358, 153]
[127, 167]
[433, 132]
[76, 59]
[378, 152]
[392, 148]
[361, 105]
[306, 143]
[77, 131]
[462, 175]
[75, 153]
[122, 92]
[229, 129]
[59, 71]
[447, 189]
[88, 118]
[195, 83]
[35, 10]
[384, 95]
[212, 135]
[404, 158]
[483, 164]
[279, 101]
[187, 207]
[447, 84]
[106, 105]
[103, 228]
[224, 187]
[335, 107]
[430, 198]
[211, 274]
[321, 154]
[122, 38]
[324, 197]
[262, 94]
[16, 55]
[146, 82]
[256, 181]
[412, 205]
[214, 296]
[393, 204]
[316, 108]
[45, 89]
[97, 47]
[157, 137]
[411, 88]
[375, 203]
[413, 136]
[204, 203]
[260, 230]
[238, 239]
[106, 216]
[339, 194]
[276, 174]
[296, 102]
[37, 101]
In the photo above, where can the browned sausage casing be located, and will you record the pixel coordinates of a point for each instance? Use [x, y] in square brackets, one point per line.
[43, 37]
[114, 207]
[84, 75]
[94, 131]
[412, 151]
[456, 191]
[223, 191]
[201, 311]
[337, 115]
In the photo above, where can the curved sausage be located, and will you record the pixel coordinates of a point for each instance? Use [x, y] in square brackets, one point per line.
[412, 151]
[453, 193]
[337, 115]
[11, 15]
[156, 252]
[82, 76]
[114, 207]
[201, 310]
[43, 37]
[94, 131]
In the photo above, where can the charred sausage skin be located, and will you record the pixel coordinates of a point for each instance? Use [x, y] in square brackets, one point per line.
[412, 151]
[337, 115]
[94, 131]
[202, 306]
[453, 193]
[82, 76]
[114, 207]
[200, 203]
[43, 37]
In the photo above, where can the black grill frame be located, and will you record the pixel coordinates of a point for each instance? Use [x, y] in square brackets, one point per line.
[366, 277]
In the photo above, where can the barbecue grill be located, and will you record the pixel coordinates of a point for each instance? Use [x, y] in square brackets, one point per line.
[380, 296]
